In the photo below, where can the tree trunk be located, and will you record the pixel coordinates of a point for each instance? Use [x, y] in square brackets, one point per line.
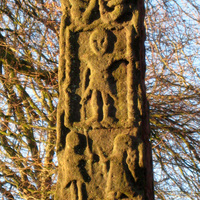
[103, 143]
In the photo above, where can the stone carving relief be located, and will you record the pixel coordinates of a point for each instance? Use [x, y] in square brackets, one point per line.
[81, 11]
[99, 112]
[74, 165]
[122, 177]
[108, 60]
[113, 9]
[99, 41]
[97, 75]
[106, 11]
[88, 165]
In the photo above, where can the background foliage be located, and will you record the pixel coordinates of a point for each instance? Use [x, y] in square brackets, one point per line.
[29, 51]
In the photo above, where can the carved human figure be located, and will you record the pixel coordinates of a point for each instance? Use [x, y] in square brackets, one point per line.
[97, 68]
[75, 173]
[122, 175]
[111, 10]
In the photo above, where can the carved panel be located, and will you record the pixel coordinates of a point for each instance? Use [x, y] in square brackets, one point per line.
[103, 79]
[104, 164]
[100, 150]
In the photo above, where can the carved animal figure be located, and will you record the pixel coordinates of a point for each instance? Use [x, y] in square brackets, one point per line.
[81, 10]
[111, 10]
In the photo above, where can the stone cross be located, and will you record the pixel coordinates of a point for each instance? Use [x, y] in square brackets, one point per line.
[102, 121]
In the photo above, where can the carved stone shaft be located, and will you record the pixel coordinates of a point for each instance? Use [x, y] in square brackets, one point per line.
[102, 123]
